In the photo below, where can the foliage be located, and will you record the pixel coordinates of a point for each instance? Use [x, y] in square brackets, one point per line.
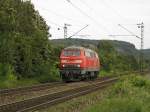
[111, 60]
[24, 43]
[24, 40]
[131, 94]
[107, 55]
[117, 105]
[139, 81]
[7, 77]
[122, 96]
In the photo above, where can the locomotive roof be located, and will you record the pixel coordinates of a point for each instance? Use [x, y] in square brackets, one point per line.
[74, 47]
[78, 48]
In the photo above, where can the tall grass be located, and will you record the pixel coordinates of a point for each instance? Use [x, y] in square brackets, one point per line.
[131, 94]
[7, 77]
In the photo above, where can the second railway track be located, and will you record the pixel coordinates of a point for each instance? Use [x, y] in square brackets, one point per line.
[6, 92]
[54, 98]
[23, 90]
[47, 98]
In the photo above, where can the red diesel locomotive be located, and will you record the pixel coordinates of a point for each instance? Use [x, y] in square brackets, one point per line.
[78, 63]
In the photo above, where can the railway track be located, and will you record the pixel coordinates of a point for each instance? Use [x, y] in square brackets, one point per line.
[24, 90]
[7, 92]
[54, 98]
[14, 95]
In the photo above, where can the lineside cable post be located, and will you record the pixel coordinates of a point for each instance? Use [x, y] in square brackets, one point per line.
[141, 37]
[141, 26]
[65, 30]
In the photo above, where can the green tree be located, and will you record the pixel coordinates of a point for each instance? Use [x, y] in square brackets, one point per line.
[24, 42]
[112, 60]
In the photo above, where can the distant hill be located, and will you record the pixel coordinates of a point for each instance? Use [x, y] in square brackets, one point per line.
[120, 46]
[147, 53]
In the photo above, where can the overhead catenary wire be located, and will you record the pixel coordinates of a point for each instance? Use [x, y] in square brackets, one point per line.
[78, 31]
[106, 5]
[91, 18]
[54, 23]
[56, 15]
[60, 15]
[113, 10]
[88, 6]
[129, 31]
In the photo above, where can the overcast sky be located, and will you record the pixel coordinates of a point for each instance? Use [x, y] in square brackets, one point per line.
[102, 16]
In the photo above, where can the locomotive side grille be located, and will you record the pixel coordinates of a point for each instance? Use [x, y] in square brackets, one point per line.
[71, 66]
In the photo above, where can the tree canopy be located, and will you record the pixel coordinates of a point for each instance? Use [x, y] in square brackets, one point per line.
[24, 36]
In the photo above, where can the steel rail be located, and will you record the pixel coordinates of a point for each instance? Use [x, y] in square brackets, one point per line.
[29, 88]
[23, 90]
[51, 99]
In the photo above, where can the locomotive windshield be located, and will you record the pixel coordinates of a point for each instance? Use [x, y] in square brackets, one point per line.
[71, 53]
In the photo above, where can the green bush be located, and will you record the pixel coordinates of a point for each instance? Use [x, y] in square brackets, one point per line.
[7, 77]
[117, 105]
[138, 81]
[120, 88]
[130, 94]
[47, 73]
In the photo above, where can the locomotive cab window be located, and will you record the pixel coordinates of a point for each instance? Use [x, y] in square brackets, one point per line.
[92, 54]
[87, 54]
[96, 56]
[71, 53]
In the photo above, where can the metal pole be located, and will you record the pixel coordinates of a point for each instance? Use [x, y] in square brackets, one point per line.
[142, 46]
[65, 30]
[141, 60]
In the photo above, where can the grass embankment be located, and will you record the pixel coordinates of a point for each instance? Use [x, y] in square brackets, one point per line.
[23, 82]
[9, 79]
[130, 94]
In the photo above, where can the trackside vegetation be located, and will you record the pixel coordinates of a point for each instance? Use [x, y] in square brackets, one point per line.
[25, 51]
[130, 94]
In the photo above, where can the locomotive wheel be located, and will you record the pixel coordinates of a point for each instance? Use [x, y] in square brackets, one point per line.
[66, 80]
[96, 75]
[93, 75]
[90, 75]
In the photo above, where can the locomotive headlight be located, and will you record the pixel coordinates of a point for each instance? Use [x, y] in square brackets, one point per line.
[63, 65]
[63, 61]
[78, 65]
[78, 61]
